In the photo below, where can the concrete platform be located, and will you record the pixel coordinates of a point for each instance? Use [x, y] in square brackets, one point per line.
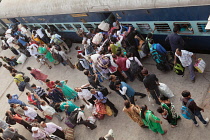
[124, 128]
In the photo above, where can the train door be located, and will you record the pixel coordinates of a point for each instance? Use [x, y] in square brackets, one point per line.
[108, 17]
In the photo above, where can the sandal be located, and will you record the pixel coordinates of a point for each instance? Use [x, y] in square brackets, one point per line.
[165, 131]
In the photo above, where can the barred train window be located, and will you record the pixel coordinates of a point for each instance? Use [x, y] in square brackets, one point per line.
[68, 26]
[144, 27]
[60, 27]
[184, 27]
[96, 24]
[201, 27]
[162, 27]
[88, 26]
[77, 26]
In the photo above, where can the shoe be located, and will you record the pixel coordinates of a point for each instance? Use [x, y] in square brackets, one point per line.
[144, 126]
[193, 81]
[143, 96]
[165, 131]
[207, 121]
[196, 124]
[115, 114]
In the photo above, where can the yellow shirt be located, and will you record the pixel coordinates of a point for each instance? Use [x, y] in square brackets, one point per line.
[19, 78]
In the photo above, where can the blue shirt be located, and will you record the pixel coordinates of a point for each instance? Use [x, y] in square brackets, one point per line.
[15, 100]
[130, 91]
[100, 96]
[159, 48]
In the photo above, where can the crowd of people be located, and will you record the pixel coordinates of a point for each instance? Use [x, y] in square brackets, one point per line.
[113, 54]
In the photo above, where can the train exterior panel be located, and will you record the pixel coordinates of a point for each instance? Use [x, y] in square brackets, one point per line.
[144, 20]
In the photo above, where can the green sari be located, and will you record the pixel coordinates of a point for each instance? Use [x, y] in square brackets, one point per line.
[172, 116]
[150, 121]
[48, 55]
[68, 92]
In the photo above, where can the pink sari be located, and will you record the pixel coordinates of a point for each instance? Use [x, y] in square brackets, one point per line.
[38, 75]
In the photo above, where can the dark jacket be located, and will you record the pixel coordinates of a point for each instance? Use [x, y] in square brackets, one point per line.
[175, 41]
[192, 106]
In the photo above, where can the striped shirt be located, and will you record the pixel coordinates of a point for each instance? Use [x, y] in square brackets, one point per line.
[39, 91]
[185, 58]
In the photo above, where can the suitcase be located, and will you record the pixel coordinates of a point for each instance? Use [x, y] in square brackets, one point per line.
[68, 123]
[69, 134]
[14, 51]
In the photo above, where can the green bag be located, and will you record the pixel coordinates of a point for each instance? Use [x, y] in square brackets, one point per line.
[179, 69]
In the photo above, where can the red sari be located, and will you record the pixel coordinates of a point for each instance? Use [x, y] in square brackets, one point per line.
[38, 75]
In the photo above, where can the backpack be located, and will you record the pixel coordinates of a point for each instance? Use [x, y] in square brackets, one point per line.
[10, 121]
[73, 116]
[79, 66]
[179, 69]
[185, 111]
[145, 47]
[134, 67]
[104, 91]
[157, 56]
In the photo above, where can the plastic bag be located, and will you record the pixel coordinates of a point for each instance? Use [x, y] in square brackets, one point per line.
[100, 108]
[104, 26]
[164, 90]
[108, 111]
[200, 65]
[141, 54]
[92, 119]
[97, 38]
[21, 59]
[90, 106]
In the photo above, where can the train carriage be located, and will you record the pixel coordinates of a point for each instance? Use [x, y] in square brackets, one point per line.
[145, 15]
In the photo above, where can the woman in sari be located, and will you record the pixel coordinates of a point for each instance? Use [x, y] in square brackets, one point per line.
[167, 110]
[43, 50]
[37, 74]
[68, 92]
[151, 120]
[133, 112]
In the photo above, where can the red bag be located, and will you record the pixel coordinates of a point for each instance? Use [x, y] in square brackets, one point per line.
[100, 108]
[48, 117]
[99, 116]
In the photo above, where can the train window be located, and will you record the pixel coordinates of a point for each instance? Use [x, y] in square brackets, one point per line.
[68, 26]
[88, 26]
[184, 27]
[30, 26]
[60, 27]
[126, 24]
[201, 27]
[144, 27]
[77, 26]
[96, 24]
[162, 27]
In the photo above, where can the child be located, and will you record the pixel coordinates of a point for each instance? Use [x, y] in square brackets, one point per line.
[42, 60]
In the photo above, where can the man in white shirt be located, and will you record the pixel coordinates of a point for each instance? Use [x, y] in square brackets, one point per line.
[38, 134]
[85, 95]
[3, 124]
[32, 114]
[108, 136]
[81, 119]
[185, 58]
[51, 128]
